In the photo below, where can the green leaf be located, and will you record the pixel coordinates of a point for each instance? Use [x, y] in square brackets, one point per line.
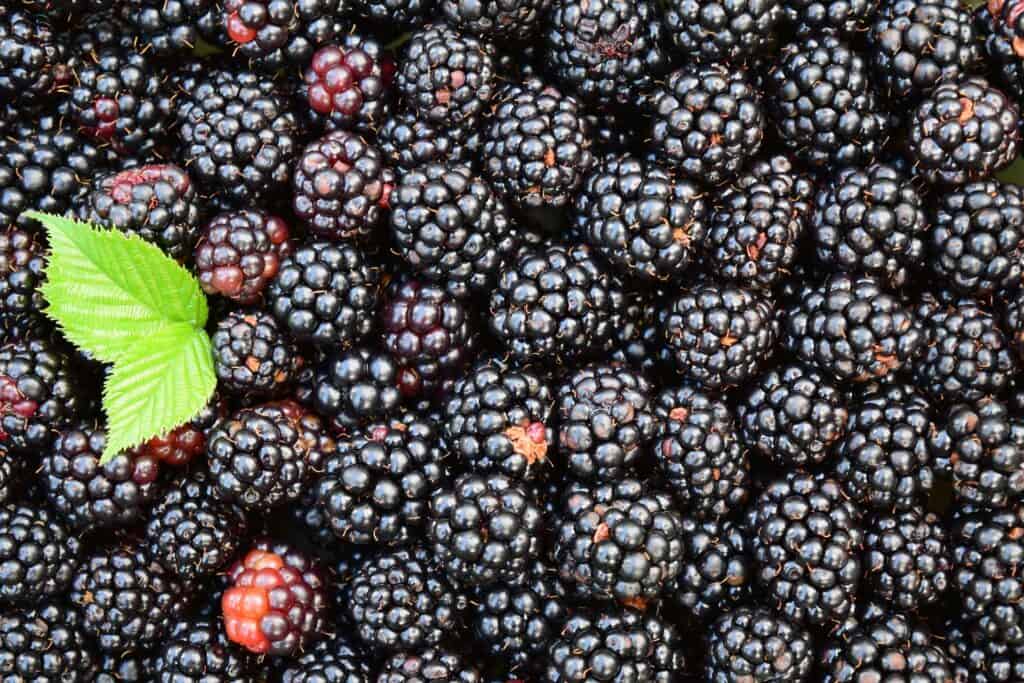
[107, 289]
[1014, 173]
[164, 383]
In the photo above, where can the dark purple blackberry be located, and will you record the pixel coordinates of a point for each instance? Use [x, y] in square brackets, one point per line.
[977, 237]
[238, 133]
[446, 77]
[45, 643]
[978, 659]
[450, 226]
[999, 24]
[40, 392]
[851, 328]
[915, 44]
[375, 489]
[882, 647]
[37, 554]
[906, 559]
[239, 253]
[428, 332]
[605, 51]
[615, 645]
[707, 121]
[517, 20]
[720, 335]
[326, 294]
[348, 85]
[174, 27]
[329, 661]
[358, 386]
[22, 264]
[32, 63]
[717, 573]
[606, 421]
[264, 456]
[89, 495]
[197, 651]
[342, 187]
[699, 454]
[793, 416]
[964, 130]
[807, 541]
[126, 598]
[102, 29]
[756, 644]
[157, 202]
[252, 356]
[644, 221]
[636, 337]
[429, 666]
[723, 31]
[484, 529]
[399, 602]
[277, 34]
[537, 146]
[845, 17]
[408, 142]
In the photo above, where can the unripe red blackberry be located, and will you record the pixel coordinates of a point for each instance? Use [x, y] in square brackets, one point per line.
[239, 253]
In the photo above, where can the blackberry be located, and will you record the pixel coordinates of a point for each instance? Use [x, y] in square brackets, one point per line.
[126, 598]
[13, 471]
[329, 661]
[276, 601]
[999, 25]
[755, 644]
[376, 488]
[40, 392]
[37, 554]
[723, 31]
[431, 664]
[173, 27]
[397, 602]
[484, 529]
[964, 130]
[906, 559]
[326, 294]
[844, 17]
[644, 221]
[537, 147]
[719, 335]
[238, 132]
[184, 443]
[516, 21]
[192, 534]
[277, 34]
[156, 202]
[106, 28]
[916, 44]
[499, 418]
[636, 339]
[793, 416]
[45, 643]
[977, 659]
[450, 226]
[252, 355]
[699, 453]
[429, 334]
[615, 646]
[32, 64]
[706, 121]
[446, 77]
[606, 51]
[348, 85]
[807, 539]
[851, 328]
[883, 647]
[197, 651]
[262, 457]
[977, 237]
[408, 142]
[342, 188]
[22, 266]
[716, 573]
[239, 253]
[358, 386]
[406, 14]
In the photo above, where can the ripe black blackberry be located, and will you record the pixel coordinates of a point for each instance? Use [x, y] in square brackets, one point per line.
[644, 221]
[756, 644]
[428, 332]
[40, 392]
[431, 664]
[615, 645]
[98, 30]
[190, 533]
[977, 659]
[605, 51]
[326, 294]
[484, 529]
[32, 60]
[699, 453]
[807, 541]
[264, 456]
[1000, 27]
[844, 17]
[915, 44]
[239, 253]
[197, 650]
[156, 202]
[450, 226]
[517, 20]
[358, 386]
[341, 187]
[720, 335]
[37, 553]
[22, 262]
[398, 602]
[707, 121]
[906, 559]
[45, 643]
[173, 27]
[238, 132]
[329, 661]
[277, 34]
[793, 416]
[964, 130]
[636, 337]
[823, 104]
[407, 14]
[851, 328]
[717, 573]
[881, 647]
[348, 84]
[127, 599]
[408, 142]
[723, 31]
[252, 356]
[537, 146]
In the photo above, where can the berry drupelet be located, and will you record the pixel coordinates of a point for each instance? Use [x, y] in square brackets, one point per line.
[45, 643]
[978, 659]
[844, 17]
[22, 264]
[252, 356]
[37, 554]
[516, 20]
[716, 572]
[1000, 27]
[756, 644]
[173, 27]
[408, 142]
[723, 31]
[32, 60]
[198, 650]
[431, 664]
[239, 253]
[329, 661]
[276, 34]
[361, 385]
[907, 561]
[881, 647]
[348, 85]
